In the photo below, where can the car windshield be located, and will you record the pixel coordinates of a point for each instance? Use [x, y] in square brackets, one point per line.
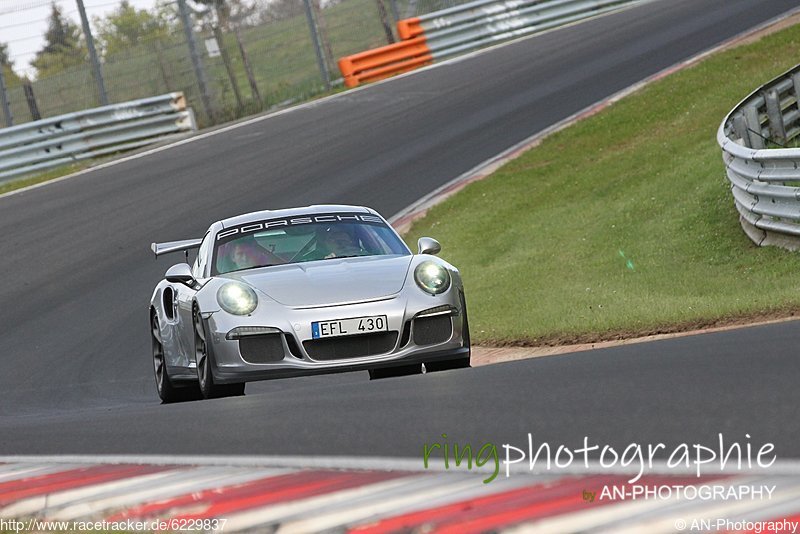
[303, 239]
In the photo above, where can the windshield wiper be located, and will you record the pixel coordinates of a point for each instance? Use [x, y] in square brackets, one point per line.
[257, 267]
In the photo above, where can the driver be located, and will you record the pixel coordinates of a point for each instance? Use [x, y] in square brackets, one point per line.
[336, 242]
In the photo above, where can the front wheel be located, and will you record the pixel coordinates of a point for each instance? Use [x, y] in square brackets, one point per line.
[205, 377]
[167, 391]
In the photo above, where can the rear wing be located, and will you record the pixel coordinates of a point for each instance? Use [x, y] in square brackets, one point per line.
[175, 246]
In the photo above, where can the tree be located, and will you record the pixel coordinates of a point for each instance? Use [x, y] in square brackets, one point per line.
[127, 27]
[4, 58]
[273, 10]
[227, 11]
[63, 47]
[10, 77]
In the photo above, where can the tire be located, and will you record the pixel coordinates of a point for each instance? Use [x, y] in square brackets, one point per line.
[202, 355]
[166, 389]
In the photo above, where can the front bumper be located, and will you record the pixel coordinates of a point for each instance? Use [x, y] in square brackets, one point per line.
[422, 329]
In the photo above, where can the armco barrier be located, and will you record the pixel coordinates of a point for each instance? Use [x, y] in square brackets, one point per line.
[385, 61]
[764, 176]
[86, 134]
[464, 28]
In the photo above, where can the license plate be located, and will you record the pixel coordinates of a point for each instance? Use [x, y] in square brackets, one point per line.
[349, 327]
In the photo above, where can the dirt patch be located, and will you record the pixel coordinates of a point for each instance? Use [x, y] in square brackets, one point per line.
[519, 350]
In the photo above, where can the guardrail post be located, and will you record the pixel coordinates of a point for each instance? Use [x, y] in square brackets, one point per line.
[740, 128]
[9, 119]
[754, 127]
[98, 73]
[312, 27]
[777, 130]
[796, 84]
[197, 63]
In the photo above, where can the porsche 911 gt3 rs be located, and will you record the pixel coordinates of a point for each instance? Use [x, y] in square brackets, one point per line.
[293, 292]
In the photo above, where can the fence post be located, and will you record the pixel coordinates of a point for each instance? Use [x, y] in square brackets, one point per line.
[248, 69]
[387, 28]
[31, 99]
[411, 9]
[98, 73]
[226, 60]
[197, 63]
[312, 27]
[4, 98]
[395, 11]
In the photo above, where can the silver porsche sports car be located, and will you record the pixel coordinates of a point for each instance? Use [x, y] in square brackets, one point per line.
[292, 292]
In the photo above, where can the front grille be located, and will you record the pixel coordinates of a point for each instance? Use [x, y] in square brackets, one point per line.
[341, 348]
[430, 330]
[265, 348]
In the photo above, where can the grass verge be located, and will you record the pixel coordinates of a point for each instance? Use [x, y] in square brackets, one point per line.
[45, 176]
[623, 224]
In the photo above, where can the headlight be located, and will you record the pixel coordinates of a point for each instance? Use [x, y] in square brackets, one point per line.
[432, 277]
[237, 298]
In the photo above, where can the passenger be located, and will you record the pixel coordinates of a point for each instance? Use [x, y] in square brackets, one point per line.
[246, 253]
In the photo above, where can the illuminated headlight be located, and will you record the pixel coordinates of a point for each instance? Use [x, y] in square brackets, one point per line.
[432, 277]
[237, 298]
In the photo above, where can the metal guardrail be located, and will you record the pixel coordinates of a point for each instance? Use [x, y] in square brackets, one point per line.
[471, 26]
[763, 173]
[465, 28]
[35, 146]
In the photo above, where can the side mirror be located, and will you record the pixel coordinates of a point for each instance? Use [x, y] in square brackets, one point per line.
[180, 273]
[428, 245]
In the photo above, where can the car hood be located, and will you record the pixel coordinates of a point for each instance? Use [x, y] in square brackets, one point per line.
[332, 281]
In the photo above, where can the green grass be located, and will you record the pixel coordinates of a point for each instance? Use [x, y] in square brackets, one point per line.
[44, 176]
[540, 243]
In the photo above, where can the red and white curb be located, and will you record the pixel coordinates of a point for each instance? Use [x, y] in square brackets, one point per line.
[271, 495]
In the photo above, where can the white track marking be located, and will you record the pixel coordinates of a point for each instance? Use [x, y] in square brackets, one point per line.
[190, 482]
[39, 503]
[275, 513]
[18, 471]
[375, 504]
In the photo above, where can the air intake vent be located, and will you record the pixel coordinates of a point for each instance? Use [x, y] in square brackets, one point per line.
[431, 330]
[264, 348]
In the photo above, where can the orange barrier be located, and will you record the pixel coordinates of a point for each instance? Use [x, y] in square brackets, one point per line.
[409, 28]
[385, 61]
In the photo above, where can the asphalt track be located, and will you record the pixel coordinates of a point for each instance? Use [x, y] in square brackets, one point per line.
[77, 274]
